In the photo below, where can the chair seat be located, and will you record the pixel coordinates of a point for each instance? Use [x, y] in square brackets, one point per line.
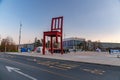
[52, 33]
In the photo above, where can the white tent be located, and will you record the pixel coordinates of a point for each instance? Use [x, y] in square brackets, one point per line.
[39, 50]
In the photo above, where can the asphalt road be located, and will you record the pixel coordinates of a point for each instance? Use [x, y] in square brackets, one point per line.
[16, 67]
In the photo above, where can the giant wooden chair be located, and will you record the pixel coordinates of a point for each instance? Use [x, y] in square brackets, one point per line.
[56, 31]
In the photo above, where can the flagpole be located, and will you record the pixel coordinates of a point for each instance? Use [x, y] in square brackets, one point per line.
[20, 36]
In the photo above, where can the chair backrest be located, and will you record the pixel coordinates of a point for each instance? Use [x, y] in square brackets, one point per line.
[57, 24]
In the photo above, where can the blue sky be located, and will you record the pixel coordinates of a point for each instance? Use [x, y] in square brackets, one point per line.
[90, 19]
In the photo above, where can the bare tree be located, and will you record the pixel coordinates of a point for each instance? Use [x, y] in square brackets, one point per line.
[8, 44]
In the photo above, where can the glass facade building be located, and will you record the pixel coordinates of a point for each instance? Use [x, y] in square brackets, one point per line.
[72, 43]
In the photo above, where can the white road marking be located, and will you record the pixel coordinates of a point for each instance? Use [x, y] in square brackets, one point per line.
[10, 69]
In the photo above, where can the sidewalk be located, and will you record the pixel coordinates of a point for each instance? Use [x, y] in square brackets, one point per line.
[90, 57]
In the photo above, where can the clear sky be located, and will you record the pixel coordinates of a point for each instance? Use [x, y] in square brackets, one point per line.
[90, 19]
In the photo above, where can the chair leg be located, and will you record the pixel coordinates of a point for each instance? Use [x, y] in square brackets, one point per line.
[51, 46]
[61, 46]
[44, 45]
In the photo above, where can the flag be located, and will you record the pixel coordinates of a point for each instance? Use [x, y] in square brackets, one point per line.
[20, 24]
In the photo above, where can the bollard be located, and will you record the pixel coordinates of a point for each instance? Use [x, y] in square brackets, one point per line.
[118, 56]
